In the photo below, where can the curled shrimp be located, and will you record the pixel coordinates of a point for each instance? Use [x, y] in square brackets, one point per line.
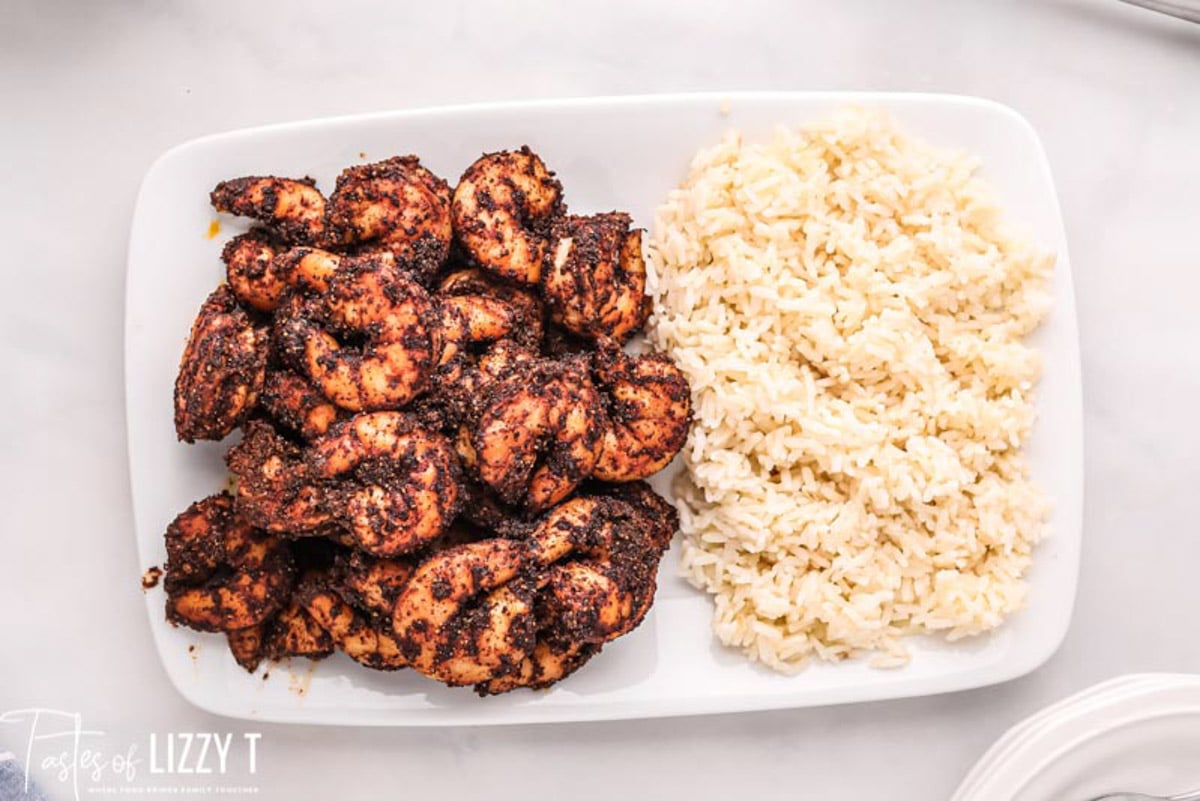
[649, 412]
[464, 385]
[550, 661]
[370, 297]
[595, 282]
[372, 584]
[525, 304]
[599, 556]
[221, 371]
[223, 574]
[660, 516]
[502, 208]
[594, 559]
[307, 269]
[395, 485]
[466, 323]
[395, 205]
[295, 403]
[538, 435]
[363, 640]
[292, 631]
[292, 208]
[274, 490]
[250, 270]
[466, 616]
[469, 320]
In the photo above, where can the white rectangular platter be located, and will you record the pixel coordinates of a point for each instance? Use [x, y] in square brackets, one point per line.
[623, 153]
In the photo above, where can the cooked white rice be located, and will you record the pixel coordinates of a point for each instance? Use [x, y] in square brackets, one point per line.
[850, 310]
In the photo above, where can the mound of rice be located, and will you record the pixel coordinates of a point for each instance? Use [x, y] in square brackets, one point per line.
[850, 311]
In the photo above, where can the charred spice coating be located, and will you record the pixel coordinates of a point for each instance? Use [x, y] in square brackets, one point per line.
[221, 371]
[396, 206]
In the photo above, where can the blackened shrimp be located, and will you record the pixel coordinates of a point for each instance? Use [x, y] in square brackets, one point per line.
[550, 661]
[295, 632]
[307, 269]
[654, 509]
[466, 323]
[490, 639]
[594, 566]
[292, 631]
[599, 556]
[223, 574]
[595, 281]
[363, 640]
[368, 297]
[394, 205]
[292, 208]
[649, 407]
[502, 209]
[292, 400]
[466, 615]
[274, 490]
[526, 305]
[395, 485]
[538, 434]
[465, 388]
[222, 369]
[372, 584]
[471, 320]
[250, 270]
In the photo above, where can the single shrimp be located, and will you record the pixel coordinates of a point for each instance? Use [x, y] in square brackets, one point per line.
[395, 485]
[370, 297]
[649, 406]
[549, 662]
[395, 205]
[292, 631]
[295, 403]
[372, 584]
[490, 640]
[466, 323]
[307, 269]
[250, 270]
[274, 490]
[223, 574]
[502, 209]
[292, 208]
[595, 281]
[525, 304]
[444, 636]
[656, 511]
[365, 642]
[600, 557]
[470, 320]
[221, 371]
[538, 434]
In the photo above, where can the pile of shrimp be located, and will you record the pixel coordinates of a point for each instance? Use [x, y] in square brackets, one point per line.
[443, 443]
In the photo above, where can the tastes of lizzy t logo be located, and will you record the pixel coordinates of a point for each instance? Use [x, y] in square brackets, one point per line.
[51, 747]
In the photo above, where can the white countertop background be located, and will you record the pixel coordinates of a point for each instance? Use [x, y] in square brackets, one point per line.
[92, 92]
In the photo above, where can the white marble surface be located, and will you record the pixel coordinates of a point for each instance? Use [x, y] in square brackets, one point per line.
[93, 92]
